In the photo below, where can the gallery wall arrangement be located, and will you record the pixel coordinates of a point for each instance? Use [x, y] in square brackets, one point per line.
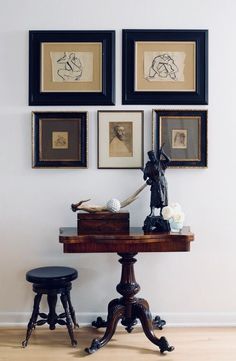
[78, 68]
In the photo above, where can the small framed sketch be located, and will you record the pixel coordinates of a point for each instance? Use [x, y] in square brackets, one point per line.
[71, 67]
[165, 67]
[59, 139]
[120, 139]
[184, 135]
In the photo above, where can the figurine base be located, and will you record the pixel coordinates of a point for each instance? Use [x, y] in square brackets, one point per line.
[156, 224]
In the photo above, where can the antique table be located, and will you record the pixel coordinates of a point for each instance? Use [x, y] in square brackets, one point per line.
[128, 308]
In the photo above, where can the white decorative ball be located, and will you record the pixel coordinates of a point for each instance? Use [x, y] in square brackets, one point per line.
[113, 205]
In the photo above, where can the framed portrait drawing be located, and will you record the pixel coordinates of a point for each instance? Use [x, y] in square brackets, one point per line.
[71, 67]
[120, 139]
[165, 67]
[183, 134]
[59, 139]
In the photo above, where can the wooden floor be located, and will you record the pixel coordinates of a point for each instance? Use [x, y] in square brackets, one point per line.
[191, 344]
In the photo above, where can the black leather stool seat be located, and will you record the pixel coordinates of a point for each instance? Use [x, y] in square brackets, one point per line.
[43, 275]
[52, 281]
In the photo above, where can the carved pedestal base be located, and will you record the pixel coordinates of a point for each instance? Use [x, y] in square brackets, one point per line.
[157, 323]
[128, 309]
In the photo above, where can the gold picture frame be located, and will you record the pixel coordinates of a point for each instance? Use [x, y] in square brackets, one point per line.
[183, 135]
[59, 139]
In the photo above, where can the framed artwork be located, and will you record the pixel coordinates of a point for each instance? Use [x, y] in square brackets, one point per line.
[59, 139]
[120, 139]
[165, 67]
[184, 135]
[71, 67]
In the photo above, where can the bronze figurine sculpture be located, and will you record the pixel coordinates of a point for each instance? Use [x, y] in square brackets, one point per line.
[154, 175]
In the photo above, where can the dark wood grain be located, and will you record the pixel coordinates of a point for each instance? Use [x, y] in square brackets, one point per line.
[133, 241]
[103, 223]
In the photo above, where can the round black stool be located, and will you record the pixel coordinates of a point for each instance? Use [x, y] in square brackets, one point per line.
[52, 281]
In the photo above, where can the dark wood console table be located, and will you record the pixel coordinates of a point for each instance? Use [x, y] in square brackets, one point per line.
[128, 308]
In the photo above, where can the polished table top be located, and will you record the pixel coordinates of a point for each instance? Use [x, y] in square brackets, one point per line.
[134, 241]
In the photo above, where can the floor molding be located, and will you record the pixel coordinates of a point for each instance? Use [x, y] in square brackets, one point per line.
[221, 319]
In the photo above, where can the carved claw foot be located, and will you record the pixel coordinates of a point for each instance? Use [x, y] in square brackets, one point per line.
[158, 322]
[164, 345]
[99, 323]
[95, 345]
[143, 313]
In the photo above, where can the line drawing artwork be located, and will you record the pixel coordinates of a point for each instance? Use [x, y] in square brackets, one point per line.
[164, 66]
[72, 66]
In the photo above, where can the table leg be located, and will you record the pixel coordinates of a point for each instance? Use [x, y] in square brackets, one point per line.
[127, 309]
[141, 310]
[115, 313]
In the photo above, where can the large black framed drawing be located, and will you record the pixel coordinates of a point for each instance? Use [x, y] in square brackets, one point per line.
[165, 67]
[72, 67]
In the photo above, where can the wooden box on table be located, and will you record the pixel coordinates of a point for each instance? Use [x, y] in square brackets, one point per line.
[103, 222]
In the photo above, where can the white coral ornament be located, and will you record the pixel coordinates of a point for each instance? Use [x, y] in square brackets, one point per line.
[167, 212]
[113, 205]
[174, 215]
[178, 217]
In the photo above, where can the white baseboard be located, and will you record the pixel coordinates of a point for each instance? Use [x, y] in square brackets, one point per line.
[221, 319]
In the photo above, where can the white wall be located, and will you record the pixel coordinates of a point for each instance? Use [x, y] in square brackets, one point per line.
[195, 287]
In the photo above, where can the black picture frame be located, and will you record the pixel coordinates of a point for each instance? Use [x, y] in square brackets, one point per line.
[199, 92]
[101, 94]
[184, 135]
[59, 139]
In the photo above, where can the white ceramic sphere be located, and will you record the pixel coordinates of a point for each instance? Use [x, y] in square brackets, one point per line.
[113, 205]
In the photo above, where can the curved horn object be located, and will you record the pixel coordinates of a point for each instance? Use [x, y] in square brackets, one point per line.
[92, 208]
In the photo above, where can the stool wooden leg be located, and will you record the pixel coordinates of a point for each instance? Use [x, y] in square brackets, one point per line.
[52, 316]
[64, 301]
[72, 312]
[33, 319]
